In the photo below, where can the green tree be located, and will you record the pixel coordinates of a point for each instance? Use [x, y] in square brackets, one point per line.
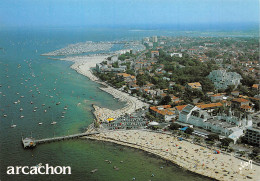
[189, 130]
[174, 126]
[226, 141]
[213, 137]
[166, 100]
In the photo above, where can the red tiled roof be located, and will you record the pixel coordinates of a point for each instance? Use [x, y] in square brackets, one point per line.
[239, 100]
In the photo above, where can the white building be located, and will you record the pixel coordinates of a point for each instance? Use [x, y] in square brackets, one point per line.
[223, 79]
[176, 55]
[226, 125]
[155, 39]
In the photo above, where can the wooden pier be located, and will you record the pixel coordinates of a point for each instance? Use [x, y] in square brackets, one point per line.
[31, 142]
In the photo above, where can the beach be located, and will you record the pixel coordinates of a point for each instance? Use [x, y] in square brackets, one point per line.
[83, 65]
[189, 156]
[192, 157]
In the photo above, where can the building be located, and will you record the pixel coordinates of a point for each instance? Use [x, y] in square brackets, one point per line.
[195, 85]
[105, 68]
[176, 55]
[239, 102]
[226, 125]
[255, 86]
[210, 107]
[164, 112]
[252, 134]
[223, 79]
[155, 39]
[154, 54]
[216, 97]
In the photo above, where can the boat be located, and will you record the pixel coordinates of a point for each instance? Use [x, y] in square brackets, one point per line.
[21, 109]
[21, 116]
[57, 103]
[53, 123]
[40, 123]
[93, 171]
[13, 125]
[45, 110]
[62, 116]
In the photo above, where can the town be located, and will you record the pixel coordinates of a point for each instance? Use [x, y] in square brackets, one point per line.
[204, 88]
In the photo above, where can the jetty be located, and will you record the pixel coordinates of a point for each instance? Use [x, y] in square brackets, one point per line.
[31, 142]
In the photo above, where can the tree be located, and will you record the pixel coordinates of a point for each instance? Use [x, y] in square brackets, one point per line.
[166, 100]
[213, 137]
[226, 141]
[174, 126]
[189, 130]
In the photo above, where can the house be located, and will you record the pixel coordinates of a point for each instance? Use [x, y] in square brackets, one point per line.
[216, 97]
[255, 86]
[154, 54]
[235, 93]
[176, 55]
[210, 107]
[194, 85]
[223, 79]
[239, 103]
[164, 112]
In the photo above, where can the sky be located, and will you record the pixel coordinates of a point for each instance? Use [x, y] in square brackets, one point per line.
[56, 13]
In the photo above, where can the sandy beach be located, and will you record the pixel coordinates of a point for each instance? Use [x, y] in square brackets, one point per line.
[190, 156]
[82, 65]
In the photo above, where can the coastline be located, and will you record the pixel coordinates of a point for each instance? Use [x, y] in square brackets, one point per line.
[203, 161]
[192, 157]
[83, 65]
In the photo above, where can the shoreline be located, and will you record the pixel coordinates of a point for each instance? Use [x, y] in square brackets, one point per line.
[83, 65]
[192, 157]
[187, 159]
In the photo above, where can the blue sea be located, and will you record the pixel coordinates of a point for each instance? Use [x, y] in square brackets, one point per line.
[31, 82]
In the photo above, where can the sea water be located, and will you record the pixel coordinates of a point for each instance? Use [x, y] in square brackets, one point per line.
[43, 88]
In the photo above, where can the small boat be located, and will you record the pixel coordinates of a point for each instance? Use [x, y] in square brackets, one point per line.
[21, 109]
[65, 108]
[34, 110]
[62, 116]
[53, 123]
[21, 116]
[93, 171]
[5, 115]
[13, 125]
[45, 110]
[57, 103]
[40, 123]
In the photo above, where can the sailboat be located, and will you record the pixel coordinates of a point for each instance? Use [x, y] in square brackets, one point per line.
[13, 125]
[53, 122]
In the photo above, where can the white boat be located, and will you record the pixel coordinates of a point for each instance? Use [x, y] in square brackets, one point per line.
[53, 123]
[21, 109]
[40, 123]
[13, 125]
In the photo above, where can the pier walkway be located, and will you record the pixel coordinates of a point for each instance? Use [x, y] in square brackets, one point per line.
[31, 142]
